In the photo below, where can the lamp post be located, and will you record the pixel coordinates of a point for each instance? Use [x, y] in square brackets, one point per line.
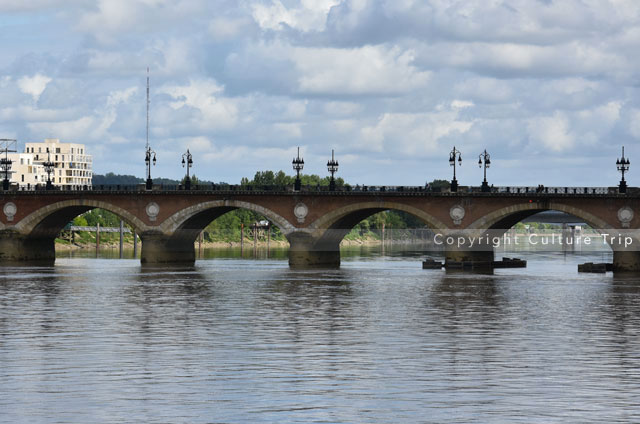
[298, 164]
[332, 166]
[188, 162]
[48, 168]
[149, 157]
[5, 165]
[455, 154]
[623, 166]
[485, 159]
[5, 162]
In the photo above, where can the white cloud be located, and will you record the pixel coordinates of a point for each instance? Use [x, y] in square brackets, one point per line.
[341, 108]
[551, 132]
[412, 134]
[205, 96]
[113, 20]
[461, 104]
[366, 70]
[224, 28]
[634, 123]
[384, 80]
[33, 5]
[485, 90]
[308, 15]
[76, 130]
[34, 86]
[288, 129]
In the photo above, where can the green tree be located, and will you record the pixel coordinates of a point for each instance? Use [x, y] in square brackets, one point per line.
[194, 180]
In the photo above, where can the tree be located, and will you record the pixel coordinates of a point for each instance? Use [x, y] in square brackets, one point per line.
[282, 179]
[193, 178]
[264, 178]
[439, 184]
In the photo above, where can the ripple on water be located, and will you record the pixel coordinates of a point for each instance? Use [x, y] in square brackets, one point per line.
[379, 340]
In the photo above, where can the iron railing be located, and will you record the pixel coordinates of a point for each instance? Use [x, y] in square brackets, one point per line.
[346, 189]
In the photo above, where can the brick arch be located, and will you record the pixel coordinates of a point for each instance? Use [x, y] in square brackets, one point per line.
[66, 208]
[507, 217]
[208, 211]
[333, 218]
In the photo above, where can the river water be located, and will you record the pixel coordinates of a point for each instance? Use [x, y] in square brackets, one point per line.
[243, 340]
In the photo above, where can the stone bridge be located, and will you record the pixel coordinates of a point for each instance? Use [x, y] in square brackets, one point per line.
[314, 222]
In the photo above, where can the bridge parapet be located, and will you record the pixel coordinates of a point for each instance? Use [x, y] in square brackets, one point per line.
[343, 190]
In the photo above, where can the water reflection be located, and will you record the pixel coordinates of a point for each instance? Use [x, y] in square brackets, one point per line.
[241, 340]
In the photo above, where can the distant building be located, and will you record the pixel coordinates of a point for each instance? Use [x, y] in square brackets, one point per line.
[73, 168]
[25, 172]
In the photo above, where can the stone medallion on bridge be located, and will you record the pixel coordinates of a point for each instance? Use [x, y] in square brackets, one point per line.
[625, 215]
[300, 211]
[152, 210]
[457, 213]
[10, 210]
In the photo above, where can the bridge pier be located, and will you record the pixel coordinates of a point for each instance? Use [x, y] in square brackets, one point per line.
[163, 249]
[626, 261]
[305, 251]
[461, 255]
[15, 247]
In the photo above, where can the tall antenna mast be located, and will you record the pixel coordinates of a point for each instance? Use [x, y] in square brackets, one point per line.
[147, 146]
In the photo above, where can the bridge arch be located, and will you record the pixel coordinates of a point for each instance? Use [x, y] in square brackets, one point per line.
[502, 219]
[319, 243]
[197, 217]
[50, 219]
[350, 215]
[172, 240]
[507, 217]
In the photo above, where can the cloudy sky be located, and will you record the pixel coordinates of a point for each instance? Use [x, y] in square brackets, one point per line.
[549, 88]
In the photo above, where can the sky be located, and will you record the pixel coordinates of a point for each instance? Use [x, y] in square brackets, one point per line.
[549, 88]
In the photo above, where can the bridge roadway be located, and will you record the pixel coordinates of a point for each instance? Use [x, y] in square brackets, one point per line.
[313, 221]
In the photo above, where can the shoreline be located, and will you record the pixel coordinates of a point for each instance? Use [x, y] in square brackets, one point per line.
[212, 244]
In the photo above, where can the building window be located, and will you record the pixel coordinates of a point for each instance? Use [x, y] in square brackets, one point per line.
[22, 177]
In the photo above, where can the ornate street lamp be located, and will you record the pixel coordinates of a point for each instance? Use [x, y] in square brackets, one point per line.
[149, 157]
[455, 154]
[623, 166]
[5, 162]
[298, 164]
[48, 168]
[188, 161]
[5, 166]
[332, 166]
[486, 159]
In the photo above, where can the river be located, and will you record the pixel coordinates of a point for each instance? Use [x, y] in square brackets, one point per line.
[238, 339]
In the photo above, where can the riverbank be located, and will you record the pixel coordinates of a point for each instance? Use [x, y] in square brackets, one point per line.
[127, 244]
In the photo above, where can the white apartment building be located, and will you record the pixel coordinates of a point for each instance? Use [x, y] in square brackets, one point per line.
[25, 172]
[73, 168]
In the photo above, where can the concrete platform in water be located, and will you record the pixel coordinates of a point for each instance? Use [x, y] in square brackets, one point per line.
[504, 263]
[598, 268]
